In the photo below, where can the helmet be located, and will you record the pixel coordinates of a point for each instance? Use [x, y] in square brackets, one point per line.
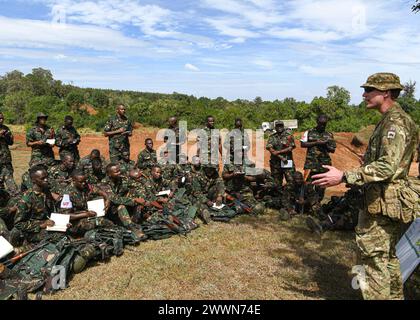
[383, 81]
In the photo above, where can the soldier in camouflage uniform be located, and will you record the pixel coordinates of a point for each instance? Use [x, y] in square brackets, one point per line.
[169, 167]
[174, 138]
[34, 207]
[320, 144]
[60, 174]
[209, 143]
[383, 176]
[118, 129]
[80, 192]
[126, 164]
[68, 139]
[147, 158]
[97, 174]
[299, 197]
[86, 165]
[5, 214]
[238, 193]
[281, 144]
[117, 188]
[6, 168]
[36, 138]
[340, 213]
[237, 144]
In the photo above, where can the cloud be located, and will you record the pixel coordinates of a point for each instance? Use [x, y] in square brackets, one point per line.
[305, 34]
[191, 67]
[226, 28]
[266, 64]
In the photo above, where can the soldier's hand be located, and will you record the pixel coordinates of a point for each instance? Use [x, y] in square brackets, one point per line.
[219, 201]
[69, 225]
[90, 214]
[140, 201]
[210, 203]
[47, 223]
[322, 142]
[330, 178]
[2, 132]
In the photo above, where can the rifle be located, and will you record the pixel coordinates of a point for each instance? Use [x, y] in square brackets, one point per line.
[238, 203]
[9, 263]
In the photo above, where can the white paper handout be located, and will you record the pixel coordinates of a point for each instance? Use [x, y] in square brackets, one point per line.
[61, 221]
[5, 247]
[408, 250]
[51, 141]
[164, 193]
[97, 206]
[218, 207]
[287, 165]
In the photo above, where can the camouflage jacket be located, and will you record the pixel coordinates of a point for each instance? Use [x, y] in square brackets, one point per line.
[280, 141]
[85, 164]
[146, 159]
[152, 187]
[95, 178]
[317, 156]
[174, 137]
[237, 143]
[32, 210]
[6, 140]
[387, 162]
[26, 182]
[45, 152]
[119, 142]
[209, 144]
[67, 139]
[238, 183]
[58, 178]
[118, 192]
[79, 198]
[291, 193]
[125, 167]
[208, 188]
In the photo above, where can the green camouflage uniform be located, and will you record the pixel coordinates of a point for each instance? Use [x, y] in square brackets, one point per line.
[58, 178]
[292, 192]
[118, 143]
[33, 209]
[118, 193]
[318, 156]
[341, 213]
[6, 168]
[241, 148]
[385, 170]
[175, 138]
[146, 160]
[279, 141]
[41, 154]
[126, 167]
[383, 176]
[68, 140]
[26, 182]
[4, 232]
[85, 164]
[206, 146]
[79, 200]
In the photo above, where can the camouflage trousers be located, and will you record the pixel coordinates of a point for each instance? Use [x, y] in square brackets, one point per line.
[120, 215]
[81, 226]
[376, 238]
[115, 153]
[279, 174]
[47, 161]
[320, 191]
[6, 174]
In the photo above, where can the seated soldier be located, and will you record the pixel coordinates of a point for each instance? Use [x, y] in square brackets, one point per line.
[34, 207]
[60, 174]
[8, 210]
[147, 158]
[125, 163]
[157, 183]
[298, 197]
[209, 191]
[340, 213]
[117, 188]
[96, 174]
[168, 165]
[85, 163]
[239, 195]
[80, 192]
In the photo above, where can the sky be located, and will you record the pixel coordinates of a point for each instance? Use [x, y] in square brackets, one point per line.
[236, 49]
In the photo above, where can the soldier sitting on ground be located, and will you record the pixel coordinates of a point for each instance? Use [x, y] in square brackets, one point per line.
[117, 188]
[60, 174]
[340, 213]
[85, 163]
[96, 174]
[147, 158]
[299, 197]
[125, 163]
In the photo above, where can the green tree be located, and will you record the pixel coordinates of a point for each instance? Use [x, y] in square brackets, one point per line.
[338, 95]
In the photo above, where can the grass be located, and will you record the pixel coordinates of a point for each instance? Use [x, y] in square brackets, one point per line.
[248, 258]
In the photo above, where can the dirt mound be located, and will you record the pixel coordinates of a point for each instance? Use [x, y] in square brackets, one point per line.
[89, 109]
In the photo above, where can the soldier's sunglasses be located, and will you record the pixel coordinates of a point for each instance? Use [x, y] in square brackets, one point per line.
[369, 90]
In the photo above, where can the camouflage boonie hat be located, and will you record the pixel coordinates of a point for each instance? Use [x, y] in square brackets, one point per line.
[383, 81]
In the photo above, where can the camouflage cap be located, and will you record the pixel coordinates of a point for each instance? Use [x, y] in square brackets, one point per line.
[383, 81]
[41, 115]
